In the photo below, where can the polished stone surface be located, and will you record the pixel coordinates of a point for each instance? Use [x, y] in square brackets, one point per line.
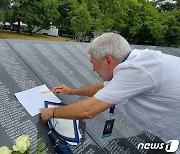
[26, 64]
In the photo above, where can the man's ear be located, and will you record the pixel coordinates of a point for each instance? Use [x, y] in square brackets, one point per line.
[109, 59]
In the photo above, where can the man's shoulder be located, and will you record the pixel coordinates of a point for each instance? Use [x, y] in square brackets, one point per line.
[145, 51]
[140, 56]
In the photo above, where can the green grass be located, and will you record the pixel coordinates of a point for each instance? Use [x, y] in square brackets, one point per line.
[6, 34]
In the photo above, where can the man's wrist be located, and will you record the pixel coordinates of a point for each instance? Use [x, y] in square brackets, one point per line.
[53, 113]
[73, 91]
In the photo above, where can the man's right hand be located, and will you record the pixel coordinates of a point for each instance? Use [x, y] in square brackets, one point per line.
[84, 91]
[63, 89]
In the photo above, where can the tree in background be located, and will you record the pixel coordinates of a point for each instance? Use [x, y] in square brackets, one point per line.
[63, 23]
[80, 20]
[40, 13]
[132, 20]
[165, 5]
[138, 21]
[153, 22]
[4, 3]
[111, 14]
[3, 7]
[86, 18]
[171, 19]
[152, 30]
[96, 16]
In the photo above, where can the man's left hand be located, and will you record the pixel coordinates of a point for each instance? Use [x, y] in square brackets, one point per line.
[46, 114]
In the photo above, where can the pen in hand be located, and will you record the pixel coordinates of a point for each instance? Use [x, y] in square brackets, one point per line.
[47, 91]
[53, 90]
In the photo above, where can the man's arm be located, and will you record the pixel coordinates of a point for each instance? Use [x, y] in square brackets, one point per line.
[85, 91]
[84, 109]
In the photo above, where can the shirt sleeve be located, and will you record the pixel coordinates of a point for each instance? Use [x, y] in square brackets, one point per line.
[126, 83]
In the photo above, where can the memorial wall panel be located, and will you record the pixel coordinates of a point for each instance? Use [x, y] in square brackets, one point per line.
[26, 64]
[16, 76]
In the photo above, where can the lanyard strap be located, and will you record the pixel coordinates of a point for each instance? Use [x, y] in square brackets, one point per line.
[111, 110]
[124, 59]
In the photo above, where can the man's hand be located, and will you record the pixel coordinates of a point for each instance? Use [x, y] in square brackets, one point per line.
[84, 109]
[46, 114]
[62, 88]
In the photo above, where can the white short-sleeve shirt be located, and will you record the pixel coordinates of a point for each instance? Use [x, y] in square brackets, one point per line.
[148, 85]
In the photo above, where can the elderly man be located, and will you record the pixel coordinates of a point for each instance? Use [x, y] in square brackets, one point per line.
[146, 82]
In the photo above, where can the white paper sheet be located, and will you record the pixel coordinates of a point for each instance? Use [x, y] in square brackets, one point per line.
[33, 99]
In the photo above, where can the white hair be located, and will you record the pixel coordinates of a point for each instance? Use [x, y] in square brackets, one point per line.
[109, 44]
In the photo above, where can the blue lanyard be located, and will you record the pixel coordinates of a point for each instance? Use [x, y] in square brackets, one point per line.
[111, 110]
[124, 59]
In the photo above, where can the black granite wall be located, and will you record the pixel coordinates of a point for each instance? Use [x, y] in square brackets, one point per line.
[26, 64]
